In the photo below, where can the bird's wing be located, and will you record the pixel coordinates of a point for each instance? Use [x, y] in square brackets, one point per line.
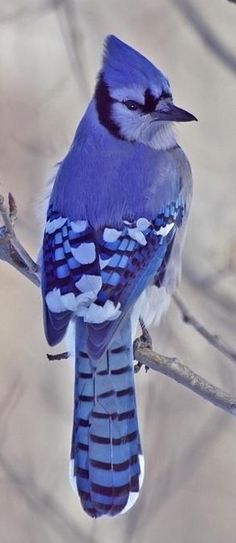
[99, 275]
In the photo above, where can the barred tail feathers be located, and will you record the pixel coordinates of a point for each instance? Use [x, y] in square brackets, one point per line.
[106, 457]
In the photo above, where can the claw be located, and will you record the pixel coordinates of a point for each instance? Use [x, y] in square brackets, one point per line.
[137, 367]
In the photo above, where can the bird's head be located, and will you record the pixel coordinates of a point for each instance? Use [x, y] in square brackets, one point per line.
[133, 98]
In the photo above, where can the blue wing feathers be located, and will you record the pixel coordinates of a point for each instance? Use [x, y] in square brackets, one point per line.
[125, 266]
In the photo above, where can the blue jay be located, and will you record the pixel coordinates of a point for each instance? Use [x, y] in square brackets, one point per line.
[112, 250]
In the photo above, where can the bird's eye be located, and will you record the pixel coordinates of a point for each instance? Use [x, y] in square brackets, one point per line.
[131, 104]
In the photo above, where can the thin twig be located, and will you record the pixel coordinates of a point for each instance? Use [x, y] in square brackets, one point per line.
[10, 234]
[9, 254]
[12, 208]
[213, 339]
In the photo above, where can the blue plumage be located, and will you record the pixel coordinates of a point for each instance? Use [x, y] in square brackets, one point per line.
[115, 229]
[122, 66]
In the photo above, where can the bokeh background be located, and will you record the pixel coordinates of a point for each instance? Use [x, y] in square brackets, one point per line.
[50, 51]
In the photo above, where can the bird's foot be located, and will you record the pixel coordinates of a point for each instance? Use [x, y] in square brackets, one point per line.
[144, 340]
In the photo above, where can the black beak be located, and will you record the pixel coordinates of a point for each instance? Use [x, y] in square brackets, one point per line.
[174, 113]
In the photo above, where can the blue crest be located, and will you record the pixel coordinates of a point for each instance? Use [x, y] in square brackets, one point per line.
[124, 66]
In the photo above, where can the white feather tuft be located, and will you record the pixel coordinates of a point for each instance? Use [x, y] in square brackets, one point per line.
[151, 305]
[98, 314]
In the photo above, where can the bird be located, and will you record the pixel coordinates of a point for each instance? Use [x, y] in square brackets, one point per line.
[111, 253]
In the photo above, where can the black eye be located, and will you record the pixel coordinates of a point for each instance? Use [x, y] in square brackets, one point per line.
[131, 104]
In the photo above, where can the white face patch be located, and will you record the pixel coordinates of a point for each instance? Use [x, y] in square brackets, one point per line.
[140, 127]
[85, 253]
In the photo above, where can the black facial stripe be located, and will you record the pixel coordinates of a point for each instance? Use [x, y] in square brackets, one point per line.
[151, 101]
[103, 104]
[165, 95]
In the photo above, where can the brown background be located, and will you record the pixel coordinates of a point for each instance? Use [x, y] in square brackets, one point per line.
[49, 54]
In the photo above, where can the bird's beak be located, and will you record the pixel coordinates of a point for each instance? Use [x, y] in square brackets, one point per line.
[174, 113]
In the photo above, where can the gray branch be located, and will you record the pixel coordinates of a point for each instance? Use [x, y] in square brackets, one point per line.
[12, 252]
[181, 373]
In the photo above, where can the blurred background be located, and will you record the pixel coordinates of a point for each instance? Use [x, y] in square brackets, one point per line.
[50, 51]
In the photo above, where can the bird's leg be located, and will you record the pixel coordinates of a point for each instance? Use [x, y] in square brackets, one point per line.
[144, 340]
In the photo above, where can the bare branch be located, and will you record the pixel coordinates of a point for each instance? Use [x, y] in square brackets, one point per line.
[8, 218]
[213, 339]
[181, 373]
[11, 250]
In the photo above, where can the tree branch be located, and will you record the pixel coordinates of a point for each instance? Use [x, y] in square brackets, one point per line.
[181, 373]
[12, 252]
[11, 249]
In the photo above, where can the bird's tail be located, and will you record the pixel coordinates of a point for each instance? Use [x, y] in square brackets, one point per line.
[106, 457]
